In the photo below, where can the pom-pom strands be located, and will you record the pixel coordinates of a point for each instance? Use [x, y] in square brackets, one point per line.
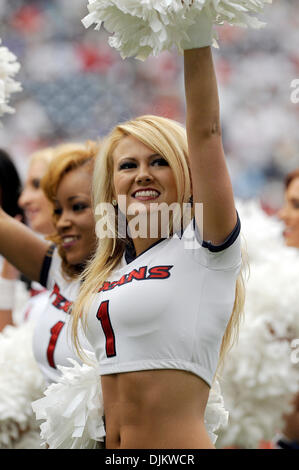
[141, 28]
[216, 416]
[9, 67]
[72, 409]
[259, 378]
[21, 382]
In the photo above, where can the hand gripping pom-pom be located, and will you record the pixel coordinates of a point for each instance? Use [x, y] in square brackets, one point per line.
[140, 28]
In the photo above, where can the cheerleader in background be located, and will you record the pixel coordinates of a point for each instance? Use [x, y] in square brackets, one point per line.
[260, 380]
[38, 214]
[289, 214]
[10, 187]
[20, 379]
[67, 184]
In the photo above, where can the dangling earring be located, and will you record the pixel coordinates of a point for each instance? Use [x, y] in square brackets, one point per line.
[114, 202]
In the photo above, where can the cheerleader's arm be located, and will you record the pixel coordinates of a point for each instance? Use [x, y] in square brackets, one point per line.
[21, 247]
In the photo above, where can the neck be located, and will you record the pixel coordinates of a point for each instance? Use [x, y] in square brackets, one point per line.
[142, 244]
[144, 232]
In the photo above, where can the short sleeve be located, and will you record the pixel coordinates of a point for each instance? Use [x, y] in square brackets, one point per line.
[50, 264]
[227, 243]
[220, 257]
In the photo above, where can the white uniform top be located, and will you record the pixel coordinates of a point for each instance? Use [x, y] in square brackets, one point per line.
[52, 344]
[36, 304]
[168, 308]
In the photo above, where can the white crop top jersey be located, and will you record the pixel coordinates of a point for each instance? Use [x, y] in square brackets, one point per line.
[52, 345]
[168, 308]
[36, 304]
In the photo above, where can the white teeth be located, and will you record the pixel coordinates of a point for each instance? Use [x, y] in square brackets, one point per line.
[69, 239]
[146, 193]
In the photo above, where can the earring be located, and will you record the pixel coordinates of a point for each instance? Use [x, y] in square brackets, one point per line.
[114, 202]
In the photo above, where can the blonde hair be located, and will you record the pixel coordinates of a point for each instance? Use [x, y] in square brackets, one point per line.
[46, 155]
[67, 157]
[168, 139]
[231, 334]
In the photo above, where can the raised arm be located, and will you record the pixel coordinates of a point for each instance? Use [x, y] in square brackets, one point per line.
[21, 247]
[210, 178]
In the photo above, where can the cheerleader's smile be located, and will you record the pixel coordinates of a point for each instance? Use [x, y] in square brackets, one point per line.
[75, 222]
[141, 175]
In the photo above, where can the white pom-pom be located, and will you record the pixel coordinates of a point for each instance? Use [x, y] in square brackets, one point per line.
[261, 233]
[9, 67]
[144, 27]
[216, 416]
[257, 385]
[259, 378]
[21, 382]
[72, 409]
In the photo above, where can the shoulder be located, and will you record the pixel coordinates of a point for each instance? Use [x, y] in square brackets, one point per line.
[224, 256]
[51, 264]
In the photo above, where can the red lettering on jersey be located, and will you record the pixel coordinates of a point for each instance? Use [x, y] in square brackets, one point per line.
[58, 297]
[113, 284]
[122, 280]
[66, 306]
[105, 286]
[57, 301]
[139, 275]
[159, 272]
[60, 302]
[55, 331]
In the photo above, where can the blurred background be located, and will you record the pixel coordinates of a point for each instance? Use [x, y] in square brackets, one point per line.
[76, 88]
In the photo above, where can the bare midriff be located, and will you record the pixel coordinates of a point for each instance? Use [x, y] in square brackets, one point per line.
[157, 409]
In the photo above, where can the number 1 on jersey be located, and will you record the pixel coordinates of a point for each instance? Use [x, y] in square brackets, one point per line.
[55, 331]
[103, 316]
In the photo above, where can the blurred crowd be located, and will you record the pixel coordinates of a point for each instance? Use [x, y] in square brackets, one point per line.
[75, 87]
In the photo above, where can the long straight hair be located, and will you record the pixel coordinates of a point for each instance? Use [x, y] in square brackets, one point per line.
[168, 139]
